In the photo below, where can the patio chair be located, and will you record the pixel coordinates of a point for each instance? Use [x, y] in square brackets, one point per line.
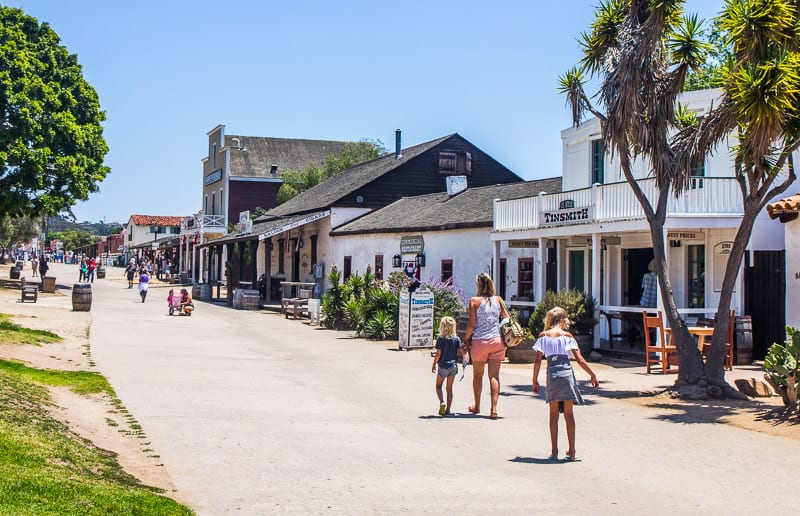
[729, 336]
[661, 347]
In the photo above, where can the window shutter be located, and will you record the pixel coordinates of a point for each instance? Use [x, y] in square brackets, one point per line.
[469, 163]
[447, 162]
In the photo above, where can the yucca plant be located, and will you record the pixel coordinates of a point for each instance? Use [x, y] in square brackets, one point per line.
[382, 325]
[783, 368]
[355, 314]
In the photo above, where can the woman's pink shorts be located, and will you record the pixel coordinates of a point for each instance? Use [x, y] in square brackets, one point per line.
[483, 350]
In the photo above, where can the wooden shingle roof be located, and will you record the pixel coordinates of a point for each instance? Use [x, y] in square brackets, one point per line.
[331, 190]
[785, 209]
[256, 155]
[435, 212]
[156, 220]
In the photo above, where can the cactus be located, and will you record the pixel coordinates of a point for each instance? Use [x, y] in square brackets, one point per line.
[783, 368]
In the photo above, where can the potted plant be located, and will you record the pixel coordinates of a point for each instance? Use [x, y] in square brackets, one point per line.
[580, 309]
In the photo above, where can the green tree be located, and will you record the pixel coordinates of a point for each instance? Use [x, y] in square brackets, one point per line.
[17, 229]
[73, 239]
[51, 140]
[642, 52]
[350, 155]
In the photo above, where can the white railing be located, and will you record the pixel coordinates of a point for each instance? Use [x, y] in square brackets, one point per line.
[213, 221]
[613, 202]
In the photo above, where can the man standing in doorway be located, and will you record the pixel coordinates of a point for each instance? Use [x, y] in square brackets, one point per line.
[650, 286]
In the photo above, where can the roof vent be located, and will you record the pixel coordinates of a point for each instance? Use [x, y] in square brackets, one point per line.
[235, 142]
[244, 144]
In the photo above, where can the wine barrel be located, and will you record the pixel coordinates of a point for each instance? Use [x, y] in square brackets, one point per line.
[14, 273]
[101, 273]
[744, 340]
[82, 297]
[196, 291]
[250, 299]
[205, 291]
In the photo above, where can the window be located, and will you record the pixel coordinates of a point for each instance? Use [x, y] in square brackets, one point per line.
[447, 270]
[273, 169]
[176, 230]
[281, 263]
[525, 277]
[213, 203]
[379, 266]
[455, 162]
[214, 156]
[205, 204]
[221, 199]
[698, 172]
[597, 162]
[576, 270]
[313, 239]
[696, 273]
[348, 268]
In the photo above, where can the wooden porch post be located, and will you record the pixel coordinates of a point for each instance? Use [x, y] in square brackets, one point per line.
[596, 254]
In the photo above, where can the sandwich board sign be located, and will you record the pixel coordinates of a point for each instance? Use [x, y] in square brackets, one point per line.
[415, 321]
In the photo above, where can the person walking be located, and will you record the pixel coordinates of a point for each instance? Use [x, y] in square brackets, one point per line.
[130, 272]
[34, 265]
[144, 279]
[484, 341]
[556, 345]
[91, 265]
[447, 346]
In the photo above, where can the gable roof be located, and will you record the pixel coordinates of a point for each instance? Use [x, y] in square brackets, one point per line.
[331, 190]
[156, 220]
[254, 156]
[438, 211]
[785, 209]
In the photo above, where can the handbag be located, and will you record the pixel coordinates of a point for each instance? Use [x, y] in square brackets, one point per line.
[511, 331]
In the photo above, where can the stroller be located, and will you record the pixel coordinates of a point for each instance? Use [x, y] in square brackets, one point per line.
[175, 304]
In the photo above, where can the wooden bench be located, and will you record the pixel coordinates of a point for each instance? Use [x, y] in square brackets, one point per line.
[297, 306]
[29, 292]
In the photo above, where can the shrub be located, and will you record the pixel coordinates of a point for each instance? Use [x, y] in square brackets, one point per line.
[382, 325]
[783, 368]
[579, 306]
[333, 302]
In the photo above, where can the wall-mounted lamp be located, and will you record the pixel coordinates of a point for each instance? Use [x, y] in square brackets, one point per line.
[420, 260]
[397, 261]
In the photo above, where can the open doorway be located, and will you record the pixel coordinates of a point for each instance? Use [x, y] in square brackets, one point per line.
[636, 261]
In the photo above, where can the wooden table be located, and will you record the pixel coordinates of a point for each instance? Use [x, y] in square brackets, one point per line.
[294, 287]
[699, 332]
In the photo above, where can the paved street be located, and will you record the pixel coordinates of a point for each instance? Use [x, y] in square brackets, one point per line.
[254, 414]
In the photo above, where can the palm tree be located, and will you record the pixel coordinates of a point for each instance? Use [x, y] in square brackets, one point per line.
[642, 51]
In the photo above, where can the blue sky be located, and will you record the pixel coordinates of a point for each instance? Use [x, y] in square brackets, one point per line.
[168, 72]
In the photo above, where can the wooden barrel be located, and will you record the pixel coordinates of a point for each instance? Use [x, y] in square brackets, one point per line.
[237, 298]
[81, 297]
[14, 272]
[250, 299]
[205, 291]
[101, 273]
[196, 291]
[744, 340]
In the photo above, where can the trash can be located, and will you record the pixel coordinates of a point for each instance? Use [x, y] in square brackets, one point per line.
[82, 297]
[744, 340]
[49, 284]
[14, 273]
[101, 272]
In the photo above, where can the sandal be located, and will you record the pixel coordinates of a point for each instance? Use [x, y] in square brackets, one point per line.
[553, 457]
[473, 410]
[571, 458]
[493, 415]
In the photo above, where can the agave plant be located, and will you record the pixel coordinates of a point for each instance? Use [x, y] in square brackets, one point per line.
[355, 314]
[382, 325]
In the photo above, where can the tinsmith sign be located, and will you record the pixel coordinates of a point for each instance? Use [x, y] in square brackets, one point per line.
[567, 216]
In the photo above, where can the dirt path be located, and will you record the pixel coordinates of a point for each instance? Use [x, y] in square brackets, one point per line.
[100, 419]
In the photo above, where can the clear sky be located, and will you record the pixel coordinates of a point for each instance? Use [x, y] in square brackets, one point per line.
[167, 72]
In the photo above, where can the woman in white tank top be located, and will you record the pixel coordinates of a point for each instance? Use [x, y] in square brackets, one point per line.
[484, 342]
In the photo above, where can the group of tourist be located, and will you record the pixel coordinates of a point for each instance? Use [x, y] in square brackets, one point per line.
[86, 269]
[143, 270]
[483, 342]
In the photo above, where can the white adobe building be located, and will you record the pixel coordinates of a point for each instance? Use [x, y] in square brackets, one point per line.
[597, 238]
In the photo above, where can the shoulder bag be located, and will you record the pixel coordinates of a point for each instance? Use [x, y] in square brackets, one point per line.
[511, 331]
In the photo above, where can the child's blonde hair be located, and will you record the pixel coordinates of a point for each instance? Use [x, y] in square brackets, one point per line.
[447, 327]
[554, 317]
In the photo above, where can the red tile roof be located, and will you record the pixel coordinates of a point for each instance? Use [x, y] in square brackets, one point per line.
[156, 220]
[785, 209]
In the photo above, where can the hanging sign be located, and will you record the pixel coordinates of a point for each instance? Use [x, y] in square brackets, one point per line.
[723, 248]
[415, 330]
[521, 244]
[412, 244]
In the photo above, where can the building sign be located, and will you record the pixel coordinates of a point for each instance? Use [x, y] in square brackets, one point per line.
[292, 225]
[245, 224]
[684, 235]
[455, 184]
[522, 244]
[566, 204]
[723, 248]
[412, 244]
[213, 177]
[415, 321]
[567, 216]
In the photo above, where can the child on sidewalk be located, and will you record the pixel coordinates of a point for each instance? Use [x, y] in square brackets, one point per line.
[447, 346]
[556, 344]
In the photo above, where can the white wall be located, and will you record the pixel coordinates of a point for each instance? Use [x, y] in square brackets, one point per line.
[792, 272]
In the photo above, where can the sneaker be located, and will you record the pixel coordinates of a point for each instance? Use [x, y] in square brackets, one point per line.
[442, 409]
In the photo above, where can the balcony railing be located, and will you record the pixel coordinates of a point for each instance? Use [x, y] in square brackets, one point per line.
[213, 221]
[708, 196]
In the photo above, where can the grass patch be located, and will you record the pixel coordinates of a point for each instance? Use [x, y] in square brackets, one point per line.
[46, 469]
[11, 333]
[80, 382]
